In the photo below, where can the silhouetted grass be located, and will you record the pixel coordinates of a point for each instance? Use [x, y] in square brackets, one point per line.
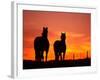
[28, 64]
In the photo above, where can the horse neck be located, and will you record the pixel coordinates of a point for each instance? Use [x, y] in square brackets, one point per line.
[44, 37]
[63, 41]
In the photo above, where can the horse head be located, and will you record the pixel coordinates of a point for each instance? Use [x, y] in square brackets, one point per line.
[63, 36]
[45, 32]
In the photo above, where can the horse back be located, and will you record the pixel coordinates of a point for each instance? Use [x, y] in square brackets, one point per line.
[59, 46]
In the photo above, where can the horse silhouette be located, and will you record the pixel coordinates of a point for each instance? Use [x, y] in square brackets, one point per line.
[41, 44]
[60, 48]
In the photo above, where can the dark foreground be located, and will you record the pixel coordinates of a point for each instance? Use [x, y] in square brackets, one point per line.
[28, 64]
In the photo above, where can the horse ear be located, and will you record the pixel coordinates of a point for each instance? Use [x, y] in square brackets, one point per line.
[63, 33]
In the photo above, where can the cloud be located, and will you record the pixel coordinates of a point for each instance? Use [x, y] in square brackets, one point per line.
[75, 35]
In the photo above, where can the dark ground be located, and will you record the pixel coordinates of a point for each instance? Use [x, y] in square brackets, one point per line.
[28, 64]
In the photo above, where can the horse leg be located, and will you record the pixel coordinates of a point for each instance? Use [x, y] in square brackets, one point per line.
[56, 56]
[46, 55]
[42, 56]
[63, 55]
[39, 58]
[36, 55]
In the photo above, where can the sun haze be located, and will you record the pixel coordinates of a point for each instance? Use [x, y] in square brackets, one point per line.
[77, 27]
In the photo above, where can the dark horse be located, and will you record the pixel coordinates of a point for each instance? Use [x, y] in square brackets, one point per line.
[41, 44]
[60, 48]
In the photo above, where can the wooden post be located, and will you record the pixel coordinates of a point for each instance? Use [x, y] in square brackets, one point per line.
[73, 56]
[87, 55]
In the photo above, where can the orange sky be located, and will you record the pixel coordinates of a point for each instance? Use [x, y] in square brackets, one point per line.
[76, 26]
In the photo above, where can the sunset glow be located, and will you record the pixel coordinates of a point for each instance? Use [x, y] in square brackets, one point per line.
[77, 27]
